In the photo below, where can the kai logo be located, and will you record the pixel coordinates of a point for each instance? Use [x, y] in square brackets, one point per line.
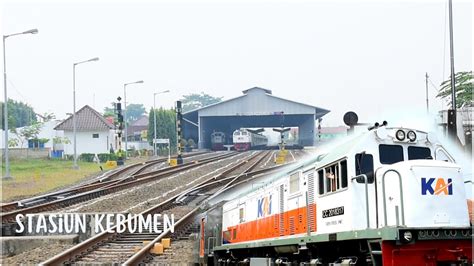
[264, 206]
[441, 186]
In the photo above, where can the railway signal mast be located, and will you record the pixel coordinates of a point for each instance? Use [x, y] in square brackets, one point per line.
[118, 109]
[282, 136]
[282, 130]
[179, 117]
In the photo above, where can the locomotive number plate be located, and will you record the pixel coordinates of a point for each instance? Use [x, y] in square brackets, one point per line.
[333, 212]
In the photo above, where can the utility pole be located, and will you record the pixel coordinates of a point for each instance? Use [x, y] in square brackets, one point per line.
[452, 132]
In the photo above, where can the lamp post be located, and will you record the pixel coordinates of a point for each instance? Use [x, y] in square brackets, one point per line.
[154, 118]
[5, 105]
[125, 113]
[74, 105]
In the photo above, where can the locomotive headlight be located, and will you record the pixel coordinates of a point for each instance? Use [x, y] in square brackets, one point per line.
[411, 135]
[400, 135]
[407, 236]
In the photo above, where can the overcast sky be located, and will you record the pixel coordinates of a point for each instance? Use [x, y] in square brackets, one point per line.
[369, 57]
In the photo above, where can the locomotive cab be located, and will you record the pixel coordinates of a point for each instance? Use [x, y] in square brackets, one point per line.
[404, 163]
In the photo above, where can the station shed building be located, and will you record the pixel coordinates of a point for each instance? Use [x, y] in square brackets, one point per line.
[256, 108]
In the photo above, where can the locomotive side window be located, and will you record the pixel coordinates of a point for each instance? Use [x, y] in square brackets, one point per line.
[343, 174]
[390, 154]
[295, 182]
[417, 153]
[321, 181]
[364, 164]
[333, 178]
[442, 155]
[241, 215]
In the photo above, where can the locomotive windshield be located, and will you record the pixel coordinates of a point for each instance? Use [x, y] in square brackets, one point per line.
[417, 153]
[390, 154]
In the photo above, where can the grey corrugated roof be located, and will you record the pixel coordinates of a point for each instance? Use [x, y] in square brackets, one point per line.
[87, 119]
[193, 113]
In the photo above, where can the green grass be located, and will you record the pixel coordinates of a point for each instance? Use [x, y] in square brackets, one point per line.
[36, 176]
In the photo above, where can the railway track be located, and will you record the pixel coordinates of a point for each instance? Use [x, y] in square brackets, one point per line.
[108, 178]
[129, 247]
[98, 189]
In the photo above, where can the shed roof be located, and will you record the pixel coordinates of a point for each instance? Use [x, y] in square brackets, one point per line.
[87, 119]
[256, 101]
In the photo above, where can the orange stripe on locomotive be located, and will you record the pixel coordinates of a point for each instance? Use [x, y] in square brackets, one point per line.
[294, 222]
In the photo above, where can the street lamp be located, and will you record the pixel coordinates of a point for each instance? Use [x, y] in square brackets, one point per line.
[5, 111]
[125, 113]
[74, 105]
[154, 118]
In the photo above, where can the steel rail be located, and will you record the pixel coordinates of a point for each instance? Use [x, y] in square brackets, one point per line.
[102, 180]
[141, 256]
[71, 255]
[113, 187]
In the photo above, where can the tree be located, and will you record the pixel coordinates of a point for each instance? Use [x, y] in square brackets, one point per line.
[61, 140]
[19, 114]
[25, 134]
[135, 111]
[165, 126]
[12, 143]
[48, 117]
[193, 101]
[31, 132]
[109, 111]
[464, 84]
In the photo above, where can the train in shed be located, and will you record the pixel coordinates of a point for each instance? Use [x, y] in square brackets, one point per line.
[389, 196]
[246, 139]
[217, 141]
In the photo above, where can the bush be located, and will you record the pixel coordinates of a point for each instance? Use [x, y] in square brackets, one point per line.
[103, 157]
[86, 157]
[191, 143]
[144, 152]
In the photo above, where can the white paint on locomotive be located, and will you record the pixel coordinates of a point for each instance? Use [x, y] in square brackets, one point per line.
[245, 140]
[431, 186]
[217, 137]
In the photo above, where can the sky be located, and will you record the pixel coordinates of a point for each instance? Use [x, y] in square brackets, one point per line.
[364, 56]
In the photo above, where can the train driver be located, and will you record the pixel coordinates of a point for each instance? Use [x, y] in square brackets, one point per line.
[330, 179]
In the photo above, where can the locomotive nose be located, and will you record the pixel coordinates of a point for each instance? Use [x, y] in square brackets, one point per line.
[422, 193]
